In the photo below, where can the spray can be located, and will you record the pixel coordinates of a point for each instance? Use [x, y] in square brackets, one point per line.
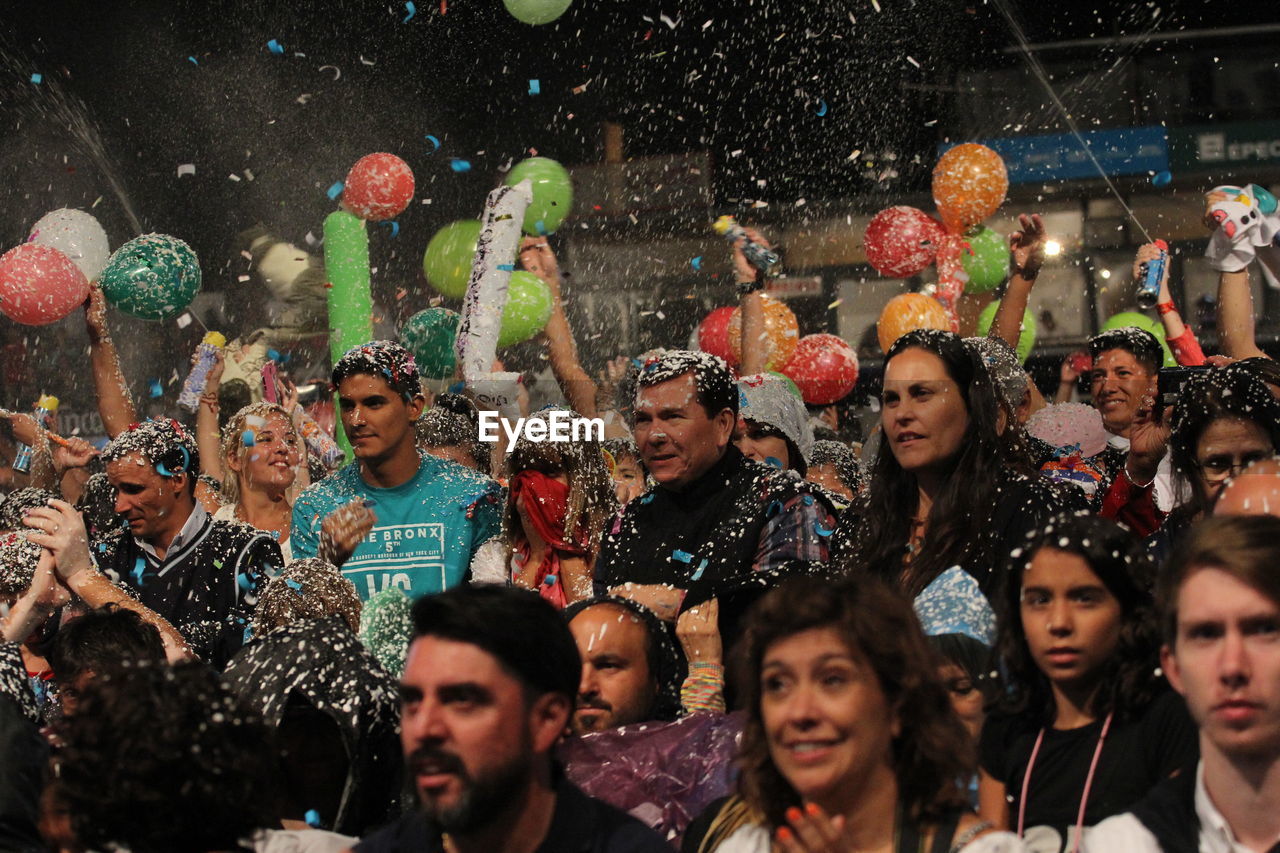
[45, 409]
[319, 443]
[269, 374]
[1152, 273]
[758, 256]
[198, 379]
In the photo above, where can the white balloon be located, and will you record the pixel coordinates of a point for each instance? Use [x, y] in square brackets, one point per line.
[76, 234]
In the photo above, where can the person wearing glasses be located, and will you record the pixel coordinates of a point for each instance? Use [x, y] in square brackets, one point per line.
[1222, 422]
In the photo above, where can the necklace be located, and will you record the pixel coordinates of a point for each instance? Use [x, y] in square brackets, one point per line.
[1088, 781]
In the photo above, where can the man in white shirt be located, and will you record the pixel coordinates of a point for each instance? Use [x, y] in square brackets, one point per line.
[1221, 601]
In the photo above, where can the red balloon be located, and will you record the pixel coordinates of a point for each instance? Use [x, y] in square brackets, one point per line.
[713, 334]
[824, 368]
[40, 285]
[901, 241]
[379, 186]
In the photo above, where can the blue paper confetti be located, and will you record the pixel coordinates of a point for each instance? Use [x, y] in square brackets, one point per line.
[244, 581]
[435, 143]
[696, 263]
[335, 190]
[395, 227]
[535, 87]
[37, 79]
[549, 580]
[822, 531]
[273, 354]
[774, 461]
[459, 165]
[507, 267]
[312, 817]
[411, 9]
[702, 567]
[541, 228]
[821, 110]
[774, 508]
[248, 439]
[807, 500]
[1162, 179]
[682, 556]
[157, 390]
[275, 46]
[293, 585]
[192, 60]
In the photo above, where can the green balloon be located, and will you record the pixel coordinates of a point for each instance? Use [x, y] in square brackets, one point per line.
[447, 261]
[1147, 324]
[536, 11]
[430, 335]
[151, 277]
[987, 262]
[1026, 338]
[527, 311]
[552, 193]
[789, 382]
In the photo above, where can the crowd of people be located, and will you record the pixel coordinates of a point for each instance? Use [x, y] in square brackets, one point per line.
[999, 623]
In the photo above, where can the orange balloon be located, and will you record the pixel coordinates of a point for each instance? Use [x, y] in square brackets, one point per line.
[969, 184]
[907, 312]
[781, 333]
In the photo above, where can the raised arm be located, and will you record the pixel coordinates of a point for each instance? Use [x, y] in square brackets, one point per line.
[576, 384]
[751, 306]
[1235, 301]
[114, 403]
[208, 438]
[1182, 341]
[1027, 248]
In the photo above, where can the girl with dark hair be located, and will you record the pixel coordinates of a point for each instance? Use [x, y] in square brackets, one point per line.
[850, 742]
[949, 485]
[559, 498]
[1089, 724]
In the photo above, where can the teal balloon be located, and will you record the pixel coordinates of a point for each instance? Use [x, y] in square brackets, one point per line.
[536, 12]
[527, 311]
[1026, 338]
[447, 261]
[151, 277]
[552, 193]
[430, 335]
[986, 262]
[1147, 324]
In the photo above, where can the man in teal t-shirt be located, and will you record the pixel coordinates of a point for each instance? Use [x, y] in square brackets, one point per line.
[394, 517]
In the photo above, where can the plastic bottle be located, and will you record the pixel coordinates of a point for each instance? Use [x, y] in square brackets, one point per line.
[45, 409]
[198, 379]
[320, 443]
[758, 256]
[1152, 271]
[269, 374]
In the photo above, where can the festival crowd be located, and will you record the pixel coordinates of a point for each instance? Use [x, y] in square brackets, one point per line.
[1004, 619]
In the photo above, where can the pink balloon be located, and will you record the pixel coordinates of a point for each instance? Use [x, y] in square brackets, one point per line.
[379, 186]
[824, 368]
[40, 285]
[901, 241]
[713, 334]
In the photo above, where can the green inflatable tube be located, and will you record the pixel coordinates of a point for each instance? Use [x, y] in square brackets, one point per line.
[346, 264]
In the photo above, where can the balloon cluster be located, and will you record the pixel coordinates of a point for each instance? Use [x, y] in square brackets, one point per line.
[151, 277]
[969, 184]
[448, 258]
[822, 368]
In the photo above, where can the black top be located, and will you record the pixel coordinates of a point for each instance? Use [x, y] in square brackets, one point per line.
[580, 824]
[1137, 755]
[206, 588]
[704, 538]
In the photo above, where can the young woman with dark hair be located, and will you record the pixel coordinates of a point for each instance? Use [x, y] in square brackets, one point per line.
[950, 485]
[560, 497]
[1089, 724]
[850, 741]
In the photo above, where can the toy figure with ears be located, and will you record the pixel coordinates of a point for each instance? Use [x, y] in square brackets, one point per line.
[1248, 227]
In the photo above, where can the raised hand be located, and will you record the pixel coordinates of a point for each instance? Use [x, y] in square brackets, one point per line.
[342, 530]
[60, 529]
[1027, 246]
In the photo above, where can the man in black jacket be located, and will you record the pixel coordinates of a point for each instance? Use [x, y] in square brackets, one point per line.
[715, 517]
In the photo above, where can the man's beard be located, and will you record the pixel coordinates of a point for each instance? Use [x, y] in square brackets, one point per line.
[482, 797]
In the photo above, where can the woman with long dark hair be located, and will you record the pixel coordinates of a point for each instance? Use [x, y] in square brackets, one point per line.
[950, 485]
[850, 741]
[1223, 421]
[1089, 724]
